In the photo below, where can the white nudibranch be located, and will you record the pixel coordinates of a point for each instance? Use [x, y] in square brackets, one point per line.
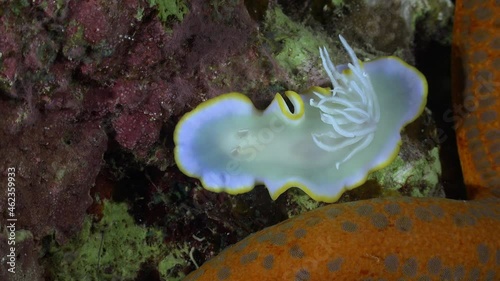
[327, 144]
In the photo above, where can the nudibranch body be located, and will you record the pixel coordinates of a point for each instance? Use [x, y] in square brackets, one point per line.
[326, 143]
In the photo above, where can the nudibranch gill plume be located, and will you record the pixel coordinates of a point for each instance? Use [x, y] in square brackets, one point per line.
[327, 143]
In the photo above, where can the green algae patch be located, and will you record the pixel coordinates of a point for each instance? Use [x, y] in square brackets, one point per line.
[169, 9]
[113, 249]
[429, 172]
[173, 259]
[295, 46]
[301, 201]
[417, 177]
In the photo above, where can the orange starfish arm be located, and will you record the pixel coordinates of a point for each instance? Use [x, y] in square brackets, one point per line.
[476, 67]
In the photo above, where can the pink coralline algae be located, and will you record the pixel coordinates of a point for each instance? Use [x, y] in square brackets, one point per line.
[56, 164]
[146, 52]
[138, 125]
[133, 130]
[10, 59]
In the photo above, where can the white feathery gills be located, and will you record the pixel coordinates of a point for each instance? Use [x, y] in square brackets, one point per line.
[327, 144]
[352, 108]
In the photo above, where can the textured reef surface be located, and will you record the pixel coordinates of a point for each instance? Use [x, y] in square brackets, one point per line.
[90, 93]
